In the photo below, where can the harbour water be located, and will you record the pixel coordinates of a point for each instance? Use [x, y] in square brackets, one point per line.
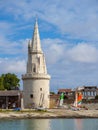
[49, 124]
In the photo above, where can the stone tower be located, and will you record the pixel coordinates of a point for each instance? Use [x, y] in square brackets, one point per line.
[36, 80]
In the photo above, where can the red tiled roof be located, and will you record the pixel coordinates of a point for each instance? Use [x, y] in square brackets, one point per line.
[64, 90]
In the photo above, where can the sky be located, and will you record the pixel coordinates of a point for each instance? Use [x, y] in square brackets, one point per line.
[69, 39]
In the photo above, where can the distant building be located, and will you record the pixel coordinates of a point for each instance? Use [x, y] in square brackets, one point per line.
[88, 92]
[69, 93]
[65, 91]
[10, 99]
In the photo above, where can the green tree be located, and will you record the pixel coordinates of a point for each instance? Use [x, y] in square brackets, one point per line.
[9, 82]
[52, 92]
[1, 83]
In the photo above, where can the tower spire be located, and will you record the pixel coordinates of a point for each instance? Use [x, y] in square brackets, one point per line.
[36, 45]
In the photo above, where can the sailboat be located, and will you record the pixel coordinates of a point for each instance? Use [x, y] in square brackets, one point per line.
[78, 101]
[61, 99]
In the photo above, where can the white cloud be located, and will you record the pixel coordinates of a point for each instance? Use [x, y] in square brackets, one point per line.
[12, 66]
[12, 48]
[84, 53]
[54, 50]
[60, 50]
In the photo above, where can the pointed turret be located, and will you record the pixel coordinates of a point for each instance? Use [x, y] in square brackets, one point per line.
[36, 45]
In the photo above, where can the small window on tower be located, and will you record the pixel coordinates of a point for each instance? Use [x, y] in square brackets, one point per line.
[39, 60]
[31, 96]
[40, 89]
[34, 69]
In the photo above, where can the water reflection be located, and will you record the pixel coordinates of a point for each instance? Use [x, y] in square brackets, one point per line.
[61, 124]
[49, 124]
[37, 124]
[78, 124]
[25, 124]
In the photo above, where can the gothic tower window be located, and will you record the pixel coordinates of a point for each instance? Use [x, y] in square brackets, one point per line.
[34, 68]
[38, 60]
